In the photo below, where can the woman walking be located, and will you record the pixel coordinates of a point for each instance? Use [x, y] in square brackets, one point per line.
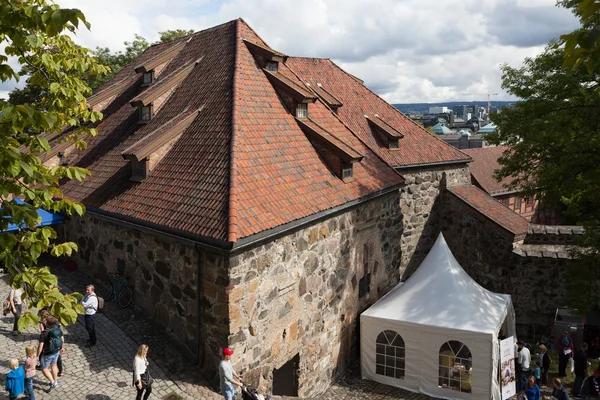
[16, 306]
[141, 376]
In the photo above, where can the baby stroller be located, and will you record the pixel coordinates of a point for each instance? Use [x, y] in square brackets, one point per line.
[250, 393]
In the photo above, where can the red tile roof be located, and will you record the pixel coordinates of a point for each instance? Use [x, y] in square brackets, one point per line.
[418, 146]
[241, 167]
[485, 163]
[491, 208]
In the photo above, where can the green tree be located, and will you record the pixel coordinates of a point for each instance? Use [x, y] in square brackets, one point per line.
[554, 154]
[32, 31]
[116, 61]
[582, 46]
[173, 34]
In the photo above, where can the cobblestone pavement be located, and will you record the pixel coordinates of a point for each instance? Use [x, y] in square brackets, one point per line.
[104, 371]
[351, 386]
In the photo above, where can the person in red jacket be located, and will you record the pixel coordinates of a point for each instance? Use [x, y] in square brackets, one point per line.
[564, 346]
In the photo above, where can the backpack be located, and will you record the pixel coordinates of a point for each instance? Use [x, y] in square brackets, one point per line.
[100, 303]
[54, 340]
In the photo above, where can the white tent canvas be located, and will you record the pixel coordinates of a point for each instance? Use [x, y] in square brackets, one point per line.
[439, 309]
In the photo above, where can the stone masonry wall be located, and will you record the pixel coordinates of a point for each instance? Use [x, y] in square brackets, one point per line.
[552, 234]
[164, 273]
[486, 251]
[421, 209]
[302, 294]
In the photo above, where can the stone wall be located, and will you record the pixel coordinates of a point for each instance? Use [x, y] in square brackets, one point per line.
[165, 273]
[302, 294]
[552, 234]
[420, 205]
[487, 252]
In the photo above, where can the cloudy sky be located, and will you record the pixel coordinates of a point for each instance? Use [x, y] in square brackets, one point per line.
[405, 50]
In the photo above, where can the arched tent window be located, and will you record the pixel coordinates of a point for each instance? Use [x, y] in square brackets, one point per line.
[455, 370]
[390, 355]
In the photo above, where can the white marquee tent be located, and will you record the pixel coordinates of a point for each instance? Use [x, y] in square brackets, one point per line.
[437, 333]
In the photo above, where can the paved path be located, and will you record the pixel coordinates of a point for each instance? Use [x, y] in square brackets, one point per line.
[104, 372]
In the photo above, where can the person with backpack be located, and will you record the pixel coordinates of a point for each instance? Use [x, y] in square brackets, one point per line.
[50, 347]
[90, 306]
[43, 314]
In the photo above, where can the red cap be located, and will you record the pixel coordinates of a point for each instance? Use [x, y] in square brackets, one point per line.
[227, 351]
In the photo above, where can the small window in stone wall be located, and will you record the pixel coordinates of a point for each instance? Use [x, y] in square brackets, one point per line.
[366, 257]
[390, 355]
[364, 285]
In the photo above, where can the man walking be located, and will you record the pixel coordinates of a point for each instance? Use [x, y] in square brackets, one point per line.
[228, 376]
[50, 347]
[90, 306]
[581, 364]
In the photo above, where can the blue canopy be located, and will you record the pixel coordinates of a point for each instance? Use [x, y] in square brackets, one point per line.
[48, 218]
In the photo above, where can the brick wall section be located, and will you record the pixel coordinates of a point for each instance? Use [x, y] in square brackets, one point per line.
[421, 209]
[164, 273]
[303, 294]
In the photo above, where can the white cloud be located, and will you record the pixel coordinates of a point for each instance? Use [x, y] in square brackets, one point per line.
[405, 50]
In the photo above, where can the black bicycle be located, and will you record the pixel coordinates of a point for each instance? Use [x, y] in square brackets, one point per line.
[116, 287]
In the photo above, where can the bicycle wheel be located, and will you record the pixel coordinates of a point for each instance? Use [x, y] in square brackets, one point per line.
[106, 290]
[125, 296]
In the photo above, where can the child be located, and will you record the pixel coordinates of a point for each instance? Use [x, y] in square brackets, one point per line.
[537, 373]
[30, 363]
[14, 379]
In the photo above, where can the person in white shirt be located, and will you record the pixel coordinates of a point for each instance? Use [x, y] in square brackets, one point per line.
[228, 376]
[90, 306]
[16, 306]
[141, 376]
[524, 360]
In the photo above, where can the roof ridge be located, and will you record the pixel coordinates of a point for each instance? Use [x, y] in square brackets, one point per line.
[232, 216]
[400, 112]
[240, 19]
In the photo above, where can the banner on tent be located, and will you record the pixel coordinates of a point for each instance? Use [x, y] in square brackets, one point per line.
[507, 367]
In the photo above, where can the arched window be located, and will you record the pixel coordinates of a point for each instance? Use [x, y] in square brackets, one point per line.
[456, 366]
[389, 358]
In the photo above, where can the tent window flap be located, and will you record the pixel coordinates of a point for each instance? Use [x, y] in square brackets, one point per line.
[390, 355]
[455, 368]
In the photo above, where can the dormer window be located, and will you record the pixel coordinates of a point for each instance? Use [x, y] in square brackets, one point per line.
[147, 78]
[272, 66]
[301, 110]
[139, 170]
[346, 171]
[393, 143]
[145, 114]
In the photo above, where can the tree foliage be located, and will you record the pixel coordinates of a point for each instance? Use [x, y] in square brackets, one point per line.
[582, 46]
[554, 153]
[116, 61]
[33, 33]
